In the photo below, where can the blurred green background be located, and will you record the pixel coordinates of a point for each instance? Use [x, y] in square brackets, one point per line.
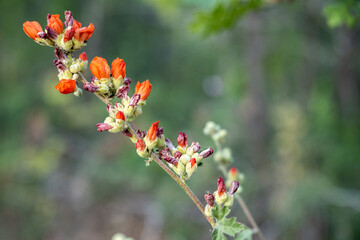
[282, 77]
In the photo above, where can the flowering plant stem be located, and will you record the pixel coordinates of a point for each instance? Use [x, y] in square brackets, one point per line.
[154, 157]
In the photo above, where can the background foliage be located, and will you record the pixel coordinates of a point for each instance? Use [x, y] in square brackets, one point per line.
[283, 77]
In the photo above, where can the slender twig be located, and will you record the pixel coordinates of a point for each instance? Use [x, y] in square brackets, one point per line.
[179, 181]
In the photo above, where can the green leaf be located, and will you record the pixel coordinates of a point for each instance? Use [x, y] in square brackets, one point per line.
[229, 226]
[217, 235]
[245, 235]
[220, 212]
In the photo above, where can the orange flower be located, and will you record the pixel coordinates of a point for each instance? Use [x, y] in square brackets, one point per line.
[100, 68]
[83, 56]
[55, 23]
[151, 135]
[120, 115]
[66, 86]
[82, 34]
[118, 68]
[140, 145]
[32, 29]
[143, 89]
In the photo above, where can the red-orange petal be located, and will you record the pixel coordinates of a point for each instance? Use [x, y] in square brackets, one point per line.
[118, 68]
[151, 134]
[83, 56]
[83, 34]
[66, 86]
[120, 115]
[76, 24]
[143, 89]
[100, 68]
[55, 23]
[32, 28]
[140, 145]
[192, 162]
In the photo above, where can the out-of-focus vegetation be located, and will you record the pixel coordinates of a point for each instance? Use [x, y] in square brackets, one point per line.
[283, 82]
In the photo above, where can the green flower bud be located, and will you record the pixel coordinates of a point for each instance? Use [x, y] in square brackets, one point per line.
[230, 201]
[191, 167]
[220, 199]
[74, 68]
[78, 92]
[208, 210]
[184, 159]
[117, 82]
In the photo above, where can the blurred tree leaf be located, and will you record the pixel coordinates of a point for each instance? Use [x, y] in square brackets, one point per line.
[340, 13]
[223, 16]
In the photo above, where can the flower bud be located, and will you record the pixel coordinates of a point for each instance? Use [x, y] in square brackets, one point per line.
[74, 68]
[78, 92]
[83, 56]
[221, 186]
[166, 156]
[90, 87]
[59, 54]
[150, 138]
[177, 154]
[211, 128]
[182, 142]
[208, 212]
[220, 199]
[206, 153]
[191, 167]
[69, 34]
[134, 100]
[32, 29]
[103, 127]
[120, 115]
[68, 19]
[143, 89]
[209, 198]
[118, 68]
[140, 145]
[234, 187]
[179, 169]
[184, 158]
[194, 148]
[100, 68]
[229, 201]
[59, 65]
[123, 92]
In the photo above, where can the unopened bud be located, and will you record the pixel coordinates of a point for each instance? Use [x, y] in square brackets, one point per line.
[182, 140]
[90, 87]
[208, 211]
[184, 158]
[74, 68]
[206, 153]
[194, 148]
[51, 33]
[68, 19]
[103, 127]
[59, 65]
[78, 92]
[134, 100]
[209, 198]
[177, 154]
[59, 54]
[191, 167]
[221, 186]
[234, 187]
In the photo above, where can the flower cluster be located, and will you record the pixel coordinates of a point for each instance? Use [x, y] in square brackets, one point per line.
[220, 196]
[71, 38]
[153, 138]
[184, 159]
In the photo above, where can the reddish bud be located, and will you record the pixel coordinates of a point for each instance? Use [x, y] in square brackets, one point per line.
[69, 34]
[209, 198]
[182, 140]
[192, 162]
[66, 86]
[177, 154]
[140, 145]
[207, 152]
[143, 89]
[151, 135]
[120, 115]
[221, 186]
[118, 68]
[83, 56]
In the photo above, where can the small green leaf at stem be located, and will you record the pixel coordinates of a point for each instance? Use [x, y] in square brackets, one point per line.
[217, 235]
[220, 212]
[229, 226]
[245, 235]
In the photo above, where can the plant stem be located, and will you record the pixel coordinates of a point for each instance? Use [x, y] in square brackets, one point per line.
[179, 181]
